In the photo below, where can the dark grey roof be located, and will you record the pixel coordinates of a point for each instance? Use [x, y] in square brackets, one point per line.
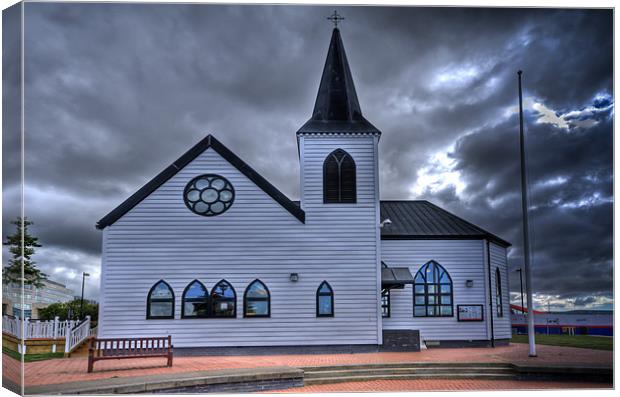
[337, 109]
[420, 219]
[208, 142]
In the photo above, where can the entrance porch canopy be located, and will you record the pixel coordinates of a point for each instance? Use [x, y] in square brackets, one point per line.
[394, 277]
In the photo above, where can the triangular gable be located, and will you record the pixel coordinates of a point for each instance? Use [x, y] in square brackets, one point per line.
[181, 162]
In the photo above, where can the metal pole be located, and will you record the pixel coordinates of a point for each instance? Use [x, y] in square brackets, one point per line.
[521, 281]
[82, 299]
[526, 227]
[84, 275]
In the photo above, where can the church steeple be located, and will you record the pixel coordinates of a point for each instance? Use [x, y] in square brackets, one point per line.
[337, 109]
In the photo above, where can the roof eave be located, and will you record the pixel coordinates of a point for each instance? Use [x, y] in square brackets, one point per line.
[490, 237]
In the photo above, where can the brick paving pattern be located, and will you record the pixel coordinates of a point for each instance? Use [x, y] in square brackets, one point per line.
[74, 369]
[442, 385]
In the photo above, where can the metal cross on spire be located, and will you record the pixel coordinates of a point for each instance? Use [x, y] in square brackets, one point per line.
[335, 18]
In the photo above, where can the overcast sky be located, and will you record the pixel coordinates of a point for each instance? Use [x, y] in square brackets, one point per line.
[116, 92]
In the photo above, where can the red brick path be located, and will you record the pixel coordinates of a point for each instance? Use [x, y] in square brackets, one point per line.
[74, 369]
[443, 385]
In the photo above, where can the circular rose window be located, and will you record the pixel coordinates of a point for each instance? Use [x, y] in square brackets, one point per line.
[209, 195]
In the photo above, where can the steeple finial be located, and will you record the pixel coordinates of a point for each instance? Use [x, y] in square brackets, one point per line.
[335, 18]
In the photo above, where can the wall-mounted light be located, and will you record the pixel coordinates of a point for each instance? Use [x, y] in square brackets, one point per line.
[469, 283]
[385, 222]
[294, 277]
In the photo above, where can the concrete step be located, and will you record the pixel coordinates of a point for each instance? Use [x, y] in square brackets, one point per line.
[473, 375]
[405, 371]
[405, 365]
[82, 349]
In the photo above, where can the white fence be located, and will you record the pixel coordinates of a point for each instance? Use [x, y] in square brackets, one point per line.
[73, 332]
[29, 329]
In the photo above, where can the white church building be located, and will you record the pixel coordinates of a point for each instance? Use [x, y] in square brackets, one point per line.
[210, 252]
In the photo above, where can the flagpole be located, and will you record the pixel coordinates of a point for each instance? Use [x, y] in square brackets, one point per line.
[526, 230]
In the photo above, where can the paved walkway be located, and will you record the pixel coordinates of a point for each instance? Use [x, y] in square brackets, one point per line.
[443, 385]
[74, 369]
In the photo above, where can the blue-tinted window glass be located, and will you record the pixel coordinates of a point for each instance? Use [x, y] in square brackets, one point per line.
[195, 300]
[257, 290]
[160, 301]
[325, 305]
[161, 290]
[223, 290]
[223, 300]
[257, 308]
[195, 290]
[432, 294]
[325, 300]
[257, 300]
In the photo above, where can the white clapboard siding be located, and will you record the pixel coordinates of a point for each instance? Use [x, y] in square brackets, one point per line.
[501, 325]
[256, 238]
[464, 260]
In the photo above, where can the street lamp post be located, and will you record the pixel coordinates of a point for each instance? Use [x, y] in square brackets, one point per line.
[84, 275]
[521, 280]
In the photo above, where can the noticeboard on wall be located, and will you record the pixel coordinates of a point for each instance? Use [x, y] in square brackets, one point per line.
[469, 313]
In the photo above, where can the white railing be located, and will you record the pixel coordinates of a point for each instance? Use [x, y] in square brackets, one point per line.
[33, 329]
[93, 332]
[77, 335]
[11, 326]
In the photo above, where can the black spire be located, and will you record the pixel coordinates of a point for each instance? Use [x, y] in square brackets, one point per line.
[337, 109]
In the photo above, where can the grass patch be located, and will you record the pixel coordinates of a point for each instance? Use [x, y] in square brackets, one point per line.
[583, 341]
[31, 357]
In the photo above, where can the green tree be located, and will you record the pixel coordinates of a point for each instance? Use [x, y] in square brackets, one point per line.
[12, 273]
[69, 310]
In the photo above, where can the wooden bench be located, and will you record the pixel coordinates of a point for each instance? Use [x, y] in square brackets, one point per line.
[119, 348]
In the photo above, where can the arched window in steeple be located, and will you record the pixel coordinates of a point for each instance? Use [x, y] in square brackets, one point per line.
[339, 179]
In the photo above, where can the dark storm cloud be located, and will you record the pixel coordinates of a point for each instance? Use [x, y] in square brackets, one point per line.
[116, 92]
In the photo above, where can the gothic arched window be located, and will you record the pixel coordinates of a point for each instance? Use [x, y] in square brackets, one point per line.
[498, 294]
[160, 301]
[325, 300]
[223, 300]
[432, 292]
[256, 300]
[339, 183]
[195, 300]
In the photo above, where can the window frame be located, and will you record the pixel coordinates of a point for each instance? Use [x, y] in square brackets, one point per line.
[499, 301]
[330, 294]
[332, 156]
[254, 299]
[233, 299]
[386, 305]
[436, 295]
[210, 177]
[149, 300]
[206, 300]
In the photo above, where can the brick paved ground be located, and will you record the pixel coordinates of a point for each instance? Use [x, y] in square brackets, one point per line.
[442, 385]
[11, 370]
[74, 369]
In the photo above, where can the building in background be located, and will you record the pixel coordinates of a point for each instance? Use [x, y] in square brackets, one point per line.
[34, 298]
[573, 322]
